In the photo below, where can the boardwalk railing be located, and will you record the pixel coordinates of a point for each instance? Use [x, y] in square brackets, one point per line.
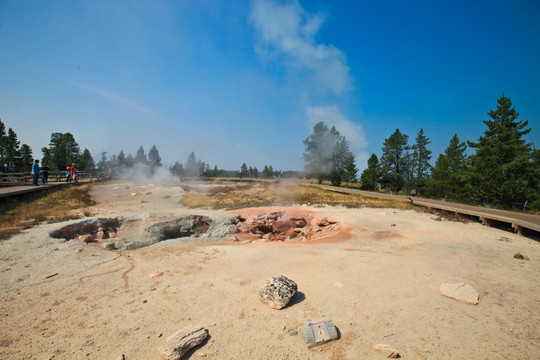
[18, 179]
[12, 179]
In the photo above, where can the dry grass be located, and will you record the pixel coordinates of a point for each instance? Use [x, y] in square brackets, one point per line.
[53, 207]
[265, 194]
[356, 185]
[313, 195]
[232, 197]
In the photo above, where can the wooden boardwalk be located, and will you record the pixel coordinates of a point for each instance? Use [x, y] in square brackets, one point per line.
[520, 222]
[9, 191]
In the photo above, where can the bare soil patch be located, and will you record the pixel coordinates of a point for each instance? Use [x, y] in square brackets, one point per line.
[376, 275]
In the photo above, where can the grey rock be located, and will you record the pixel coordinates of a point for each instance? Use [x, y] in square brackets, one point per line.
[182, 341]
[278, 291]
[190, 226]
[109, 246]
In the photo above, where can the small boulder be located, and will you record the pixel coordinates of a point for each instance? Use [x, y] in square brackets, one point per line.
[299, 222]
[278, 291]
[520, 256]
[461, 292]
[386, 351]
[326, 222]
[182, 341]
[280, 227]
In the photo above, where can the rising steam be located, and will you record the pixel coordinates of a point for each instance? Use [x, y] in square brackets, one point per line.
[143, 174]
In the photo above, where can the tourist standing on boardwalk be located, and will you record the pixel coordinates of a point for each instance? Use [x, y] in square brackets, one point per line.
[35, 173]
[44, 174]
[73, 172]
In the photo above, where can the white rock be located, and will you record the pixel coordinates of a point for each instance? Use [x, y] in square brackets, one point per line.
[386, 350]
[461, 292]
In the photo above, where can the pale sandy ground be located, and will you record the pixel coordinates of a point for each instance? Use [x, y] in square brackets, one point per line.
[379, 286]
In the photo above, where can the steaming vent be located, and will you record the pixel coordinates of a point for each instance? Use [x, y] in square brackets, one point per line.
[125, 234]
[99, 228]
[135, 232]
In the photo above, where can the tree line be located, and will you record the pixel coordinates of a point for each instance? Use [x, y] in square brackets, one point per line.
[14, 157]
[63, 150]
[503, 171]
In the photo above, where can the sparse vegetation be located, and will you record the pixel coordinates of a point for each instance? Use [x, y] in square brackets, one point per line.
[282, 194]
[53, 207]
[232, 197]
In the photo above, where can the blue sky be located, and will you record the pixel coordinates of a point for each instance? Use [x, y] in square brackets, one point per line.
[245, 81]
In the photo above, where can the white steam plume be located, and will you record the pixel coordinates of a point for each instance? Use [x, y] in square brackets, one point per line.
[290, 31]
[353, 132]
[141, 174]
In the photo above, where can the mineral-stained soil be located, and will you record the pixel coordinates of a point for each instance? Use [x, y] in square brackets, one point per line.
[376, 273]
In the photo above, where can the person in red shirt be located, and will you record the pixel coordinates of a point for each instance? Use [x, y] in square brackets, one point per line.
[73, 172]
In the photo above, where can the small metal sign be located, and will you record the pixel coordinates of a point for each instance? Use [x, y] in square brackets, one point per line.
[318, 332]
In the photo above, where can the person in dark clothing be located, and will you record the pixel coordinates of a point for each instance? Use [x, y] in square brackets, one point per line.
[44, 174]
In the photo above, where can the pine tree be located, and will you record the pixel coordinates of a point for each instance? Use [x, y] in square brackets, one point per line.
[26, 158]
[448, 175]
[503, 169]
[395, 161]
[266, 173]
[2, 146]
[318, 153]
[177, 169]
[46, 157]
[121, 159]
[140, 156]
[103, 164]
[351, 171]
[341, 155]
[190, 169]
[244, 170]
[63, 150]
[130, 161]
[326, 154]
[12, 157]
[86, 161]
[420, 161]
[153, 157]
[440, 185]
[371, 177]
[200, 168]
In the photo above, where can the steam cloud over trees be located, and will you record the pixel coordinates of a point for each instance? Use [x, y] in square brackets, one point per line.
[327, 156]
